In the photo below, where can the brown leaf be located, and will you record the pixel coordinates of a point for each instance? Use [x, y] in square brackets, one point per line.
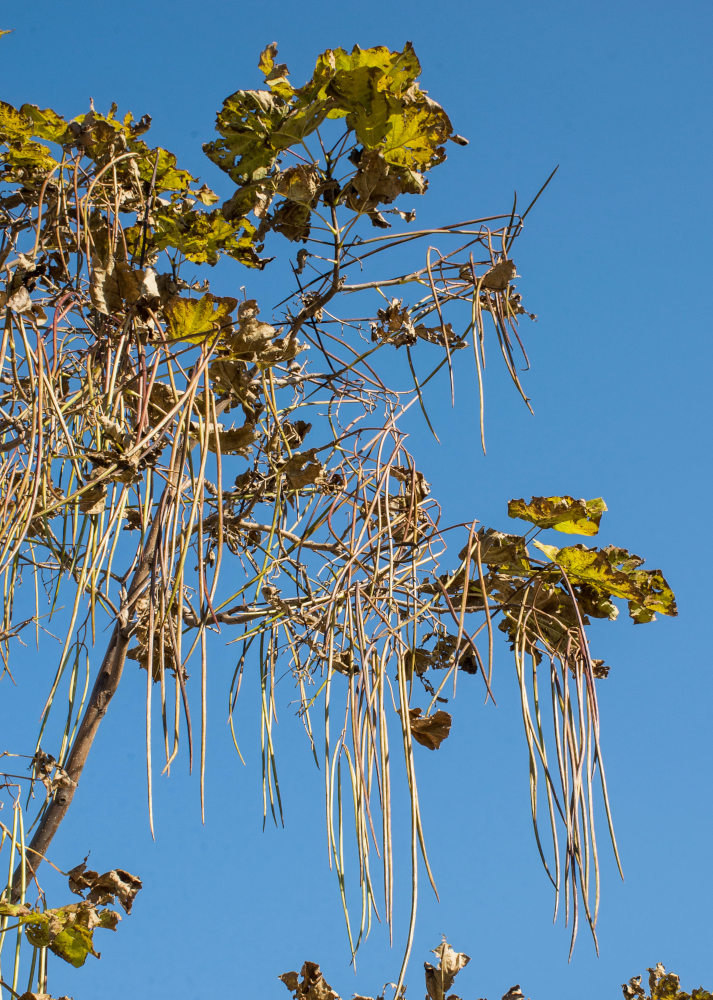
[303, 469]
[119, 285]
[41, 996]
[92, 500]
[292, 220]
[499, 276]
[233, 440]
[439, 979]
[20, 301]
[379, 183]
[313, 985]
[430, 731]
[115, 884]
[299, 184]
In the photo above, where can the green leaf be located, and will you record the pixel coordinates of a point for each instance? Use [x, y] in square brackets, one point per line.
[573, 517]
[202, 237]
[615, 572]
[22, 158]
[67, 931]
[46, 124]
[168, 175]
[195, 320]
[249, 124]
[275, 75]
[352, 77]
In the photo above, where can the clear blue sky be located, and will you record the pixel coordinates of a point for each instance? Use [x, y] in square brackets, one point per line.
[615, 261]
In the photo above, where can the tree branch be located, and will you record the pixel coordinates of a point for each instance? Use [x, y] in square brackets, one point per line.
[105, 688]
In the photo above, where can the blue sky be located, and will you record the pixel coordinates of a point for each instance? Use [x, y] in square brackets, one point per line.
[614, 260]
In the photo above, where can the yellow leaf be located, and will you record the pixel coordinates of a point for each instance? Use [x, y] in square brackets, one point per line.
[196, 319]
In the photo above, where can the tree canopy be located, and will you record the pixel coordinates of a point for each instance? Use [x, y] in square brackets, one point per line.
[182, 467]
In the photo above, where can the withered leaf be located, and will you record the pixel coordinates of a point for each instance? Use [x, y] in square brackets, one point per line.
[20, 300]
[116, 884]
[432, 730]
[92, 500]
[313, 985]
[499, 276]
[233, 440]
[439, 979]
[118, 286]
[292, 220]
[377, 182]
[299, 184]
[303, 469]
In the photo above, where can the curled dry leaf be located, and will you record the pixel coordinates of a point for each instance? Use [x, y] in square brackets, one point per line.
[116, 884]
[439, 978]
[303, 469]
[499, 276]
[432, 730]
[41, 996]
[92, 500]
[397, 327]
[313, 985]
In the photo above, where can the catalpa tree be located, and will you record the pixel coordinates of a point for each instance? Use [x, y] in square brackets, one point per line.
[181, 468]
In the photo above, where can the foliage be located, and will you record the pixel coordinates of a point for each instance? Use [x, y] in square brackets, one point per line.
[176, 466]
[440, 979]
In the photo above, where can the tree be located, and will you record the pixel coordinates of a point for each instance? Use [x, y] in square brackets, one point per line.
[133, 497]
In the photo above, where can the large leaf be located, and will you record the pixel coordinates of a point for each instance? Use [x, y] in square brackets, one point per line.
[200, 236]
[353, 77]
[254, 126]
[21, 157]
[67, 930]
[614, 572]
[195, 320]
[573, 517]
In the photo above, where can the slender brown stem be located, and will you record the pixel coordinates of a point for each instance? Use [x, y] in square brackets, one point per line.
[105, 688]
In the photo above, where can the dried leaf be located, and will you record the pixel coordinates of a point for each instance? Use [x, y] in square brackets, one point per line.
[303, 469]
[431, 730]
[115, 287]
[116, 884]
[499, 276]
[313, 985]
[439, 979]
[93, 499]
[233, 440]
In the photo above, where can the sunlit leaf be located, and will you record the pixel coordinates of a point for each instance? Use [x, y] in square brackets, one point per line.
[574, 517]
[431, 730]
[45, 124]
[615, 572]
[116, 884]
[202, 237]
[313, 985]
[440, 978]
[275, 75]
[67, 930]
[195, 320]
